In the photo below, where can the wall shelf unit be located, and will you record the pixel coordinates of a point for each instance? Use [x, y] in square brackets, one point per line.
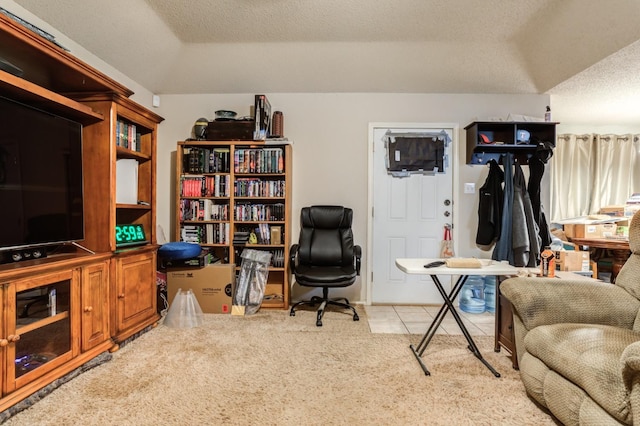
[488, 140]
[227, 189]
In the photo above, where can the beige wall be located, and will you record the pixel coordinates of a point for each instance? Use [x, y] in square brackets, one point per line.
[330, 151]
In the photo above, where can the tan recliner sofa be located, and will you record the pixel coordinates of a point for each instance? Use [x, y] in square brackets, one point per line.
[578, 343]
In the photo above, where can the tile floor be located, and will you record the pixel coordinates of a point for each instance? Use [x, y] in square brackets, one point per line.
[416, 320]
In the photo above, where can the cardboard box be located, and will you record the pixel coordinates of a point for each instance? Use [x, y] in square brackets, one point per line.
[572, 260]
[631, 209]
[581, 230]
[212, 285]
[613, 210]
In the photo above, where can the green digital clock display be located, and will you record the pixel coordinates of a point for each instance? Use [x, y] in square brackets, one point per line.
[130, 235]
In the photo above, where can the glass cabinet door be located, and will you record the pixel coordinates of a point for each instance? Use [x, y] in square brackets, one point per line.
[39, 331]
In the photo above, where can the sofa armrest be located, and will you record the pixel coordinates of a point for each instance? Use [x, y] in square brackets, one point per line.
[540, 301]
[630, 361]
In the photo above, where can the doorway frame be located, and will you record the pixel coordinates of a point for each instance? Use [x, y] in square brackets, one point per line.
[454, 162]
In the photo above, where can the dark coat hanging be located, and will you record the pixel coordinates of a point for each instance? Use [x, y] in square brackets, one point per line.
[490, 208]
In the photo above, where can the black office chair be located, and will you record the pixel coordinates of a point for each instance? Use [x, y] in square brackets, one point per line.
[325, 256]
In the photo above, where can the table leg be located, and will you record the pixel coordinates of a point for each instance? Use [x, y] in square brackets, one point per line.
[448, 306]
[419, 350]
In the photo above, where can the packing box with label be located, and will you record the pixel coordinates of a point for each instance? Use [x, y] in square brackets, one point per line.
[212, 286]
[582, 230]
[572, 260]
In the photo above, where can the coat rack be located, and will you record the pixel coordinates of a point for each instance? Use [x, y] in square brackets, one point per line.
[489, 140]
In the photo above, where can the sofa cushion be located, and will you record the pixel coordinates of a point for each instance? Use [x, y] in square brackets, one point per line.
[589, 356]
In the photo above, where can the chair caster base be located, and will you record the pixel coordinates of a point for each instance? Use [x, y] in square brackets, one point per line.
[324, 302]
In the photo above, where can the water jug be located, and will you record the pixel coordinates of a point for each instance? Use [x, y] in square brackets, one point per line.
[490, 293]
[472, 295]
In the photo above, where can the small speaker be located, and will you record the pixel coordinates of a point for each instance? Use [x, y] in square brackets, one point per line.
[16, 256]
[38, 253]
[20, 255]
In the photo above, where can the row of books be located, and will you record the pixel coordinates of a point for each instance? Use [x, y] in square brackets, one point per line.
[205, 186]
[255, 187]
[203, 210]
[207, 209]
[260, 160]
[259, 212]
[208, 233]
[127, 135]
[241, 238]
[277, 258]
[206, 160]
[263, 234]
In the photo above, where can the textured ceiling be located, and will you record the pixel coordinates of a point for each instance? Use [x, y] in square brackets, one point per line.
[414, 46]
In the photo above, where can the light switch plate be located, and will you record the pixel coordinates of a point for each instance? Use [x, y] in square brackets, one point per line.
[469, 188]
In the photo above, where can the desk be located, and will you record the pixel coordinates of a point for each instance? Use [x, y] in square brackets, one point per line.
[416, 266]
[619, 249]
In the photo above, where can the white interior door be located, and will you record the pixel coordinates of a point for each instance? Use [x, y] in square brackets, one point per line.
[409, 215]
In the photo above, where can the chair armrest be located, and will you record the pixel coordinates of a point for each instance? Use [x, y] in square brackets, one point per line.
[357, 252]
[540, 301]
[293, 252]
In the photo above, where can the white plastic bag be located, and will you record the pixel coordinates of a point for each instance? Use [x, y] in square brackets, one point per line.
[252, 281]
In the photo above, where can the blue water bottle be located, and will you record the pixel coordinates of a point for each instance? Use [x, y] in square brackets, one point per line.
[490, 293]
[472, 295]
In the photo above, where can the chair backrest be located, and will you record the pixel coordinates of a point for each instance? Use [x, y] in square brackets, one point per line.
[628, 276]
[326, 238]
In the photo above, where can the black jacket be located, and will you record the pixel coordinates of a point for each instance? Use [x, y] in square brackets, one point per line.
[490, 208]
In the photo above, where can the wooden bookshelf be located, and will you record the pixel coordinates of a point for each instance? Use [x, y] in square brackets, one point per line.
[251, 189]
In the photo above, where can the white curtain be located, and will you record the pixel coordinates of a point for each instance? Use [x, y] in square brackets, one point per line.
[592, 171]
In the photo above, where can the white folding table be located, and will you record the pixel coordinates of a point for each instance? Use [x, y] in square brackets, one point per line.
[417, 266]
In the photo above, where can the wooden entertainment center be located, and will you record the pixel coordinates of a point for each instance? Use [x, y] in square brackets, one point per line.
[104, 293]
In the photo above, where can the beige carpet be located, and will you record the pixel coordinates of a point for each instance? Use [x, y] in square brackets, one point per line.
[273, 369]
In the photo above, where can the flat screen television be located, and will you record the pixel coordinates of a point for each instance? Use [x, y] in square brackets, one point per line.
[41, 192]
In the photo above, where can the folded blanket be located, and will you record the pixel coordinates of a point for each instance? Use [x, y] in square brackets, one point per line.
[461, 262]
